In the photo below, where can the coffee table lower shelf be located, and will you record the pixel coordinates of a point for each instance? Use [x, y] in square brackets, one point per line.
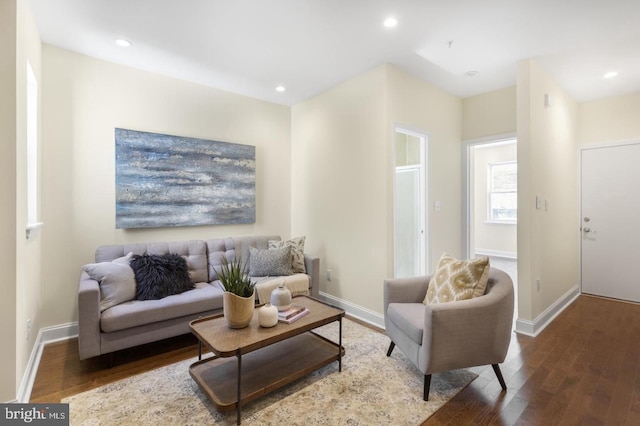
[263, 370]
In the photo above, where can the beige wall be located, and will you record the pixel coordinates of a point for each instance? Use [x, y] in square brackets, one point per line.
[28, 251]
[613, 119]
[489, 114]
[342, 168]
[84, 99]
[491, 238]
[419, 105]
[8, 134]
[340, 162]
[547, 166]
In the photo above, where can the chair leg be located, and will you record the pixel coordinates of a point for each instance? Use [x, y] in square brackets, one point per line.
[427, 385]
[496, 369]
[391, 346]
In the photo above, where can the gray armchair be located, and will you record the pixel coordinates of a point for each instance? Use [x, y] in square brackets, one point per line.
[448, 336]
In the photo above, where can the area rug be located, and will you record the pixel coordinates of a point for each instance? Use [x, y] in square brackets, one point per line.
[372, 389]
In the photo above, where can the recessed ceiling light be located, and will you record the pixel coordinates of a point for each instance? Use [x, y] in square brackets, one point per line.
[610, 74]
[280, 88]
[123, 42]
[390, 22]
[471, 73]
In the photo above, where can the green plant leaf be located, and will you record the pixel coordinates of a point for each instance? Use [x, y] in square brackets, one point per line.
[234, 277]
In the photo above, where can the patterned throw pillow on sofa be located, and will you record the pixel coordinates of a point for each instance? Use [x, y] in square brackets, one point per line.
[270, 263]
[297, 252]
[458, 279]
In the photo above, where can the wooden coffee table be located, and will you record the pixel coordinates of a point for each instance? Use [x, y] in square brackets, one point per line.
[266, 358]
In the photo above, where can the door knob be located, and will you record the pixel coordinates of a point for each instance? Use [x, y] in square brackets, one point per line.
[586, 229]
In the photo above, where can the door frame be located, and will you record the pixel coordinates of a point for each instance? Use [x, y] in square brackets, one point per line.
[425, 241]
[467, 176]
[581, 149]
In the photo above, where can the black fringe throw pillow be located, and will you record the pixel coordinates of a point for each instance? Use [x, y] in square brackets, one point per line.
[159, 276]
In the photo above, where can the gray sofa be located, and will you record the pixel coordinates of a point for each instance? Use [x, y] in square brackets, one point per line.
[138, 322]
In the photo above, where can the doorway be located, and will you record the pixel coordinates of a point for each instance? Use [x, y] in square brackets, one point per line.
[490, 203]
[609, 205]
[409, 207]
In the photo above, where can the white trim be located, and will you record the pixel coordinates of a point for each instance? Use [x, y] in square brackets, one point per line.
[45, 335]
[354, 310]
[496, 253]
[535, 327]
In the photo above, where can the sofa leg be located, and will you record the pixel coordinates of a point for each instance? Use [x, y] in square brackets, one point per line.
[496, 369]
[427, 385]
[391, 346]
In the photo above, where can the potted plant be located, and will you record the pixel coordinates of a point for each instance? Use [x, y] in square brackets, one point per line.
[238, 300]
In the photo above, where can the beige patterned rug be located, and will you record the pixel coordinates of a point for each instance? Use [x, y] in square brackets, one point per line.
[372, 389]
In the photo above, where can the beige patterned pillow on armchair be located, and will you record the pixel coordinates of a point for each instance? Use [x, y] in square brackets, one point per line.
[458, 279]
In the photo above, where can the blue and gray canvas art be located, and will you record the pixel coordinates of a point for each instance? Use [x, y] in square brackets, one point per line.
[164, 180]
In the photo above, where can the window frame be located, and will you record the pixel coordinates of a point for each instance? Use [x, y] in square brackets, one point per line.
[491, 191]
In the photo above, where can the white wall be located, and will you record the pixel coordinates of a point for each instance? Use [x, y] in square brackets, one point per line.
[342, 168]
[84, 99]
[547, 166]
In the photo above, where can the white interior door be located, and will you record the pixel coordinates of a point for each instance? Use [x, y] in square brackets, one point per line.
[610, 207]
[408, 226]
[410, 191]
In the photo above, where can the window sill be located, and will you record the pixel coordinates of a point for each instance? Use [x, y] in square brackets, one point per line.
[33, 229]
[501, 222]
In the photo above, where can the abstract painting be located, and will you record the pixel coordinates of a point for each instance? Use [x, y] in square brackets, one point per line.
[164, 180]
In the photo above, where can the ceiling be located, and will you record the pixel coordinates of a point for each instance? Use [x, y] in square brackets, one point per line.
[251, 46]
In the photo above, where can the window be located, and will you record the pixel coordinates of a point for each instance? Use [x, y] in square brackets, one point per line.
[32, 151]
[503, 192]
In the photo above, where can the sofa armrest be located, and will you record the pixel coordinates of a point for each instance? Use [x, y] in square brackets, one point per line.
[405, 290]
[88, 316]
[312, 265]
[479, 327]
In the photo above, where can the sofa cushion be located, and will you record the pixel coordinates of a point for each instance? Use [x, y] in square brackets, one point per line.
[458, 279]
[274, 262]
[218, 249]
[297, 252]
[205, 297]
[159, 276]
[195, 251]
[408, 317]
[116, 280]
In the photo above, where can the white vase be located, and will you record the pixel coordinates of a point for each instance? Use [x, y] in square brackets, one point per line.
[268, 315]
[238, 311]
[281, 297]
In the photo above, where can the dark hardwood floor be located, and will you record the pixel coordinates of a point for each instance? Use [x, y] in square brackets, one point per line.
[583, 369]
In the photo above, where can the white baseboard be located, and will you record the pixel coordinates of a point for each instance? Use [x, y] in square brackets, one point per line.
[356, 311]
[496, 253]
[535, 327]
[45, 335]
